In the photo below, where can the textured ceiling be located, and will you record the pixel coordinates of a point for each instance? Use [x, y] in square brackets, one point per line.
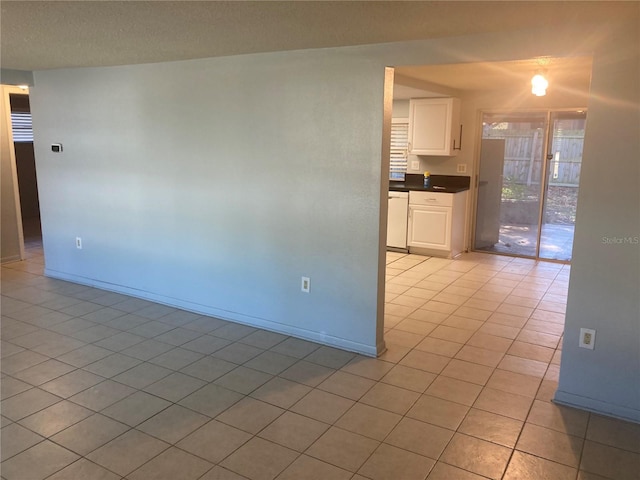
[37, 35]
[572, 73]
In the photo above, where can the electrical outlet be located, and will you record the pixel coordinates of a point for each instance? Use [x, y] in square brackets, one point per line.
[587, 338]
[462, 168]
[415, 164]
[79, 243]
[305, 285]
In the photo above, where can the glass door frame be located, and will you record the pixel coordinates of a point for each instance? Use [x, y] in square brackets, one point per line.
[549, 114]
[552, 115]
[544, 180]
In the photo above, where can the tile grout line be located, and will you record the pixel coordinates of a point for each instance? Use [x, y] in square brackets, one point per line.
[495, 368]
[396, 362]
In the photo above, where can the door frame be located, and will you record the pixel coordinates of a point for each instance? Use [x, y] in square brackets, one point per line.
[7, 90]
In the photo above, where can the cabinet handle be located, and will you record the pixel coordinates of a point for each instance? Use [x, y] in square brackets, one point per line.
[454, 141]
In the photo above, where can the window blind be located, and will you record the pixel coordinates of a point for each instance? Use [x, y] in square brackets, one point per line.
[21, 127]
[399, 140]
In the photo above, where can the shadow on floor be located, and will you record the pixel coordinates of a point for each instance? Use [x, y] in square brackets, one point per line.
[556, 241]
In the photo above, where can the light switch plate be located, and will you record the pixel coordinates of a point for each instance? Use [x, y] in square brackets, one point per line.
[462, 168]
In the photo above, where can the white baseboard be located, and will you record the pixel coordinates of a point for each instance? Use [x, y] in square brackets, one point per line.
[597, 406]
[12, 258]
[318, 337]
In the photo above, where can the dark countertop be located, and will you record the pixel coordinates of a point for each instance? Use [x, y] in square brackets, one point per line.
[438, 183]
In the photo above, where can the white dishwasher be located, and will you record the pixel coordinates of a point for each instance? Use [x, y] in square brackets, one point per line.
[397, 220]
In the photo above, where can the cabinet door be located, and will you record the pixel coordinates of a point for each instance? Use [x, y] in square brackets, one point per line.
[397, 222]
[431, 125]
[430, 227]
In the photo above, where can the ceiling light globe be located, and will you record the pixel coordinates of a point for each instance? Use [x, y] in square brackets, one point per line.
[539, 85]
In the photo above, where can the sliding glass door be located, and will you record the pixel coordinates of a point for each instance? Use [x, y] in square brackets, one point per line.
[563, 174]
[508, 207]
[528, 183]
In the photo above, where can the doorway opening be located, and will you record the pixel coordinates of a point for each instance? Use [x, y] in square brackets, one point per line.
[528, 183]
[22, 132]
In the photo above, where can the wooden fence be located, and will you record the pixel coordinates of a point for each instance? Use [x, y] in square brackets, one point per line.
[523, 157]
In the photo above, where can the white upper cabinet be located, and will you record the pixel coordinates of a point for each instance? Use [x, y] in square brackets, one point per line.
[434, 126]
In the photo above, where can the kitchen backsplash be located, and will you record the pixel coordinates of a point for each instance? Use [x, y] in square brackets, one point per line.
[436, 165]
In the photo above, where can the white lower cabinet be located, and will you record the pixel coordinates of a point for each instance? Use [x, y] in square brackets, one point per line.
[436, 223]
[430, 227]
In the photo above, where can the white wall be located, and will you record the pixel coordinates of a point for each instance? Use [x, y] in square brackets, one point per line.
[401, 109]
[217, 183]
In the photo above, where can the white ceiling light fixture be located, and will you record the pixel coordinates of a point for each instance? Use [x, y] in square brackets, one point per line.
[539, 84]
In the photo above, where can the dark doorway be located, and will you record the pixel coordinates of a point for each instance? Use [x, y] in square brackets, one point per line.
[25, 167]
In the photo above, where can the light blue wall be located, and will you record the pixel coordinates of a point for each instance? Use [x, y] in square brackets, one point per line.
[604, 292]
[16, 77]
[215, 184]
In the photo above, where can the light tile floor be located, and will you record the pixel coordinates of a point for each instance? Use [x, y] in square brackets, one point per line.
[100, 386]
